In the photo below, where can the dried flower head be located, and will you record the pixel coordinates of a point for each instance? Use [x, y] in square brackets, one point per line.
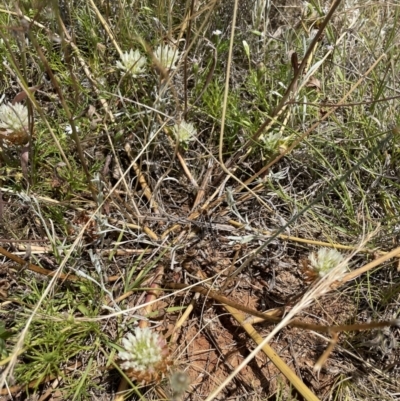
[13, 117]
[184, 132]
[132, 62]
[167, 56]
[145, 355]
[246, 48]
[326, 260]
[180, 382]
[14, 121]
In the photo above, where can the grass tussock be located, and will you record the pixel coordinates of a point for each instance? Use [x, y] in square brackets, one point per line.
[199, 200]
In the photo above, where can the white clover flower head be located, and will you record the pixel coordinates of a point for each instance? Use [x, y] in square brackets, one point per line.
[184, 132]
[326, 260]
[13, 117]
[167, 56]
[272, 140]
[133, 62]
[144, 350]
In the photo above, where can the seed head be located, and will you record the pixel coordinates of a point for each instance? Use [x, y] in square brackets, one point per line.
[167, 56]
[13, 117]
[132, 62]
[145, 355]
[184, 132]
[326, 260]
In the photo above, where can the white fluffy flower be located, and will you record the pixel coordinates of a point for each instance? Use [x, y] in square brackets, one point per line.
[167, 56]
[326, 260]
[143, 350]
[132, 62]
[184, 132]
[272, 140]
[13, 117]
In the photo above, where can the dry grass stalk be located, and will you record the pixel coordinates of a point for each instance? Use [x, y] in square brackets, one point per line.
[297, 383]
[320, 288]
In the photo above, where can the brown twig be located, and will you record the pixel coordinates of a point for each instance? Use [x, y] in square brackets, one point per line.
[356, 273]
[142, 180]
[324, 104]
[204, 184]
[37, 269]
[324, 357]
[272, 355]
[273, 319]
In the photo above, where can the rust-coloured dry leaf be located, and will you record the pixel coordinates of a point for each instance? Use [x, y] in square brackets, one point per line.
[16, 137]
[19, 97]
[314, 83]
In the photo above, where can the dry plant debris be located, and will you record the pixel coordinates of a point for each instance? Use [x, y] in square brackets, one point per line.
[181, 182]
